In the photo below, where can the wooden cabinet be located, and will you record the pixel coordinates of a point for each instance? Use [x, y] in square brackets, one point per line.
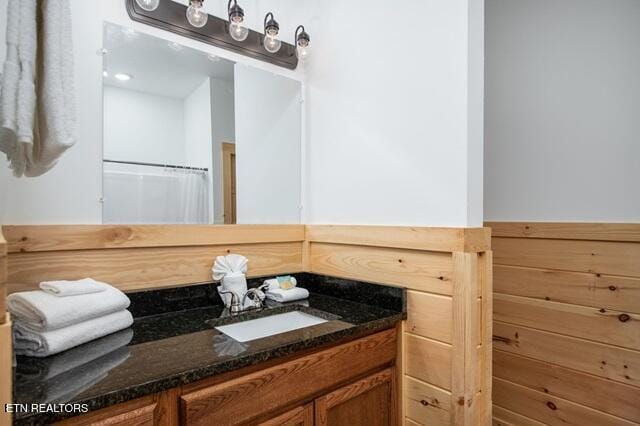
[349, 384]
[367, 402]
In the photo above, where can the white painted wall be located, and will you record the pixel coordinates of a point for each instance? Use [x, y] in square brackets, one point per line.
[394, 112]
[267, 116]
[144, 127]
[197, 126]
[562, 110]
[223, 130]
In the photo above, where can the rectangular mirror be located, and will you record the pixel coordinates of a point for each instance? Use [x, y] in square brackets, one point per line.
[196, 139]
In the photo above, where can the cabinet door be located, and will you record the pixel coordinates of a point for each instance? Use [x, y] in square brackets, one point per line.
[299, 416]
[367, 402]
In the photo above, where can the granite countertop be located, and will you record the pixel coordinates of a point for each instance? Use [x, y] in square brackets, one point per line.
[173, 342]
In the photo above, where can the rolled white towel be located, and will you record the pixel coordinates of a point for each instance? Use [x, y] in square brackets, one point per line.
[73, 288]
[42, 311]
[235, 282]
[279, 295]
[40, 344]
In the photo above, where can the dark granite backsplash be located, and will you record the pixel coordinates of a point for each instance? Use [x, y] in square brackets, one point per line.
[155, 302]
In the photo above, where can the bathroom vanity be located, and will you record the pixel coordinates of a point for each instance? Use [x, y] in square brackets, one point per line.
[175, 366]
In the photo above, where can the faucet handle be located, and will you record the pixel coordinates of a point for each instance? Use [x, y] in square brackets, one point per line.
[235, 306]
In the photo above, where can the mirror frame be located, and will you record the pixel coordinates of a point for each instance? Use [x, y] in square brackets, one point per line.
[171, 16]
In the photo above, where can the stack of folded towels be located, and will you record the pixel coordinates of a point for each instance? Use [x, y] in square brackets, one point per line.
[64, 314]
[284, 289]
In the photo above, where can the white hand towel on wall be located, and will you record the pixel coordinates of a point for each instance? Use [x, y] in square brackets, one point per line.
[42, 311]
[37, 106]
[73, 288]
[40, 344]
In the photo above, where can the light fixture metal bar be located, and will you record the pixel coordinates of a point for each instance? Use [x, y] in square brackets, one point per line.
[170, 16]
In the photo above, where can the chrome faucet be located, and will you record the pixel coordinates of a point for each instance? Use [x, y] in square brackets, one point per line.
[235, 306]
[238, 305]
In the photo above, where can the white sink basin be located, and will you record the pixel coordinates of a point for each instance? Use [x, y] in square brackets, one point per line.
[268, 326]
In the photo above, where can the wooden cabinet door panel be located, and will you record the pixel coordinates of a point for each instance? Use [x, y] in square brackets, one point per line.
[299, 416]
[367, 402]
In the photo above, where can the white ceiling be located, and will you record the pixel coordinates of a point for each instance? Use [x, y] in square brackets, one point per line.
[156, 65]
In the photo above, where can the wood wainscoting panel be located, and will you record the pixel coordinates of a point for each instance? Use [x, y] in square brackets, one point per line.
[447, 336]
[153, 267]
[602, 325]
[592, 391]
[549, 409]
[596, 290]
[611, 362]
[428, 360]
[598, 257]
[419, 270]
[426, 402]
[567, 322]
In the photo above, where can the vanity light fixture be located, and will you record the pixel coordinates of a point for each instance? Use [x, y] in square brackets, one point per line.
[123, 77]
[237, 30]
[148, 5]
[226, 32]
[302, 43]
[271, 42]
[195, 15]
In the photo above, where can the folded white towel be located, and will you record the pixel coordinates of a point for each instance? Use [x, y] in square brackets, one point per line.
[42, 311]
[229, 264]
[280, 295]
[73, 288]
[45, 343]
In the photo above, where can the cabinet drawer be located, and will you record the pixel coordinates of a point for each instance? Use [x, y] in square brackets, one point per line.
[247, 397]
[139, 412]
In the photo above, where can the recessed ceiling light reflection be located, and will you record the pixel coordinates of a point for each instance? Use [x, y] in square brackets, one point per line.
[123, 77]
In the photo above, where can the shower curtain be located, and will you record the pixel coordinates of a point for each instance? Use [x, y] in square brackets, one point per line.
[148, 194]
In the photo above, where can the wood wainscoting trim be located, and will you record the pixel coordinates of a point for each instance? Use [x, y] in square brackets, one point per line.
[3, 277]
[6, 370]
[30, 238]
[567, 231]
[404, 237]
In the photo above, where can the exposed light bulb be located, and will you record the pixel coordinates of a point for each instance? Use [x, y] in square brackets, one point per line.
[302, 43]
[272, 44]
[105, 73]
[148, 5]
[238, 31]
[302, 52]
[271, 29]
[195, 15]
